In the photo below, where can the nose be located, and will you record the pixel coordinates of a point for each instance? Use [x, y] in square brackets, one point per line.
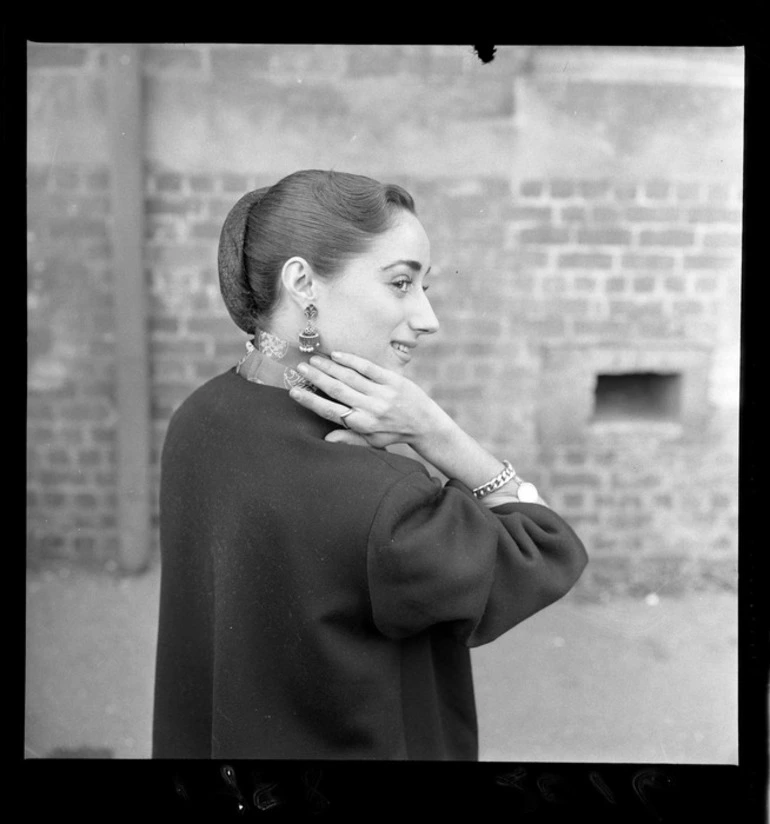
[423, 319]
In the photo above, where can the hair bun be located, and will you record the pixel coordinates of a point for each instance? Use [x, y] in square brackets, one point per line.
[233, 282]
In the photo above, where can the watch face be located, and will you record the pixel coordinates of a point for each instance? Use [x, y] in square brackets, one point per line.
[527, 493]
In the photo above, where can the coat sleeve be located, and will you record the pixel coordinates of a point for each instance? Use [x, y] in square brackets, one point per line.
[436, 555]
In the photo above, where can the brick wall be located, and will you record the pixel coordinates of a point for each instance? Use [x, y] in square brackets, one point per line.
[547, 276]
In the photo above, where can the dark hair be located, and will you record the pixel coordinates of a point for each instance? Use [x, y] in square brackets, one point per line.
[325, 217]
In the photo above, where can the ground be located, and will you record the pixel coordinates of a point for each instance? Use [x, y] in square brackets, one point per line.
[634, 680]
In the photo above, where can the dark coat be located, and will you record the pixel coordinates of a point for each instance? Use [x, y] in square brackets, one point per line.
[319, 600]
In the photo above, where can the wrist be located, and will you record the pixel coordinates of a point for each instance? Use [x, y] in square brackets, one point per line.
[437, 433]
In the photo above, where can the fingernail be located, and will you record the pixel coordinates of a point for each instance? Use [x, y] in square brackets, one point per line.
[294, 393]
[316, 361]
[302, 367]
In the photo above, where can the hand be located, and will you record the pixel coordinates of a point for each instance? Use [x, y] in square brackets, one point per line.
[387, 407]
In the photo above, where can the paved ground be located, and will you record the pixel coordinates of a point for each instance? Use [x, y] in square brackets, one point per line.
[634, 680]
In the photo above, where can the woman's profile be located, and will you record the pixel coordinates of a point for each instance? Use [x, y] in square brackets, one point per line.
[319, 593]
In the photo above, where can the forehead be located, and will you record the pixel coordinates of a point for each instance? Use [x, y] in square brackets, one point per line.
[406, 239]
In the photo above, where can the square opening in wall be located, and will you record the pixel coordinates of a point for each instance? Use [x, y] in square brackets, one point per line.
[638, 396]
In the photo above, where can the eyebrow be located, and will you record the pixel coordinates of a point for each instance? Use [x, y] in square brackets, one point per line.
[414, 265]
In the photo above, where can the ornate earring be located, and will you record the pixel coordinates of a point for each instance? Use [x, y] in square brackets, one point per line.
[309, 339]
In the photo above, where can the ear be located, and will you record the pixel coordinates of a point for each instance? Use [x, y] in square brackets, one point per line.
[299, 281]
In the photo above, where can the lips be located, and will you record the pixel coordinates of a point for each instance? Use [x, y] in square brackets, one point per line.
[403, 350]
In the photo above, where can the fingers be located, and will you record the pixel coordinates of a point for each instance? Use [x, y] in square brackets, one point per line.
[346, 436]
[344, 374]
[333, 387]
[363, 366]
[323, 408]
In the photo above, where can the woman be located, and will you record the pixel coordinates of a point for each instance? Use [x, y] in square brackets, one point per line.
[319, 594]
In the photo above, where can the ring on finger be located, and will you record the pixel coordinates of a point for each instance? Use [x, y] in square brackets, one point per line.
[344, 415]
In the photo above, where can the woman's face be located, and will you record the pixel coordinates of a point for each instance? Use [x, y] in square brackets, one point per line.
[377, 306]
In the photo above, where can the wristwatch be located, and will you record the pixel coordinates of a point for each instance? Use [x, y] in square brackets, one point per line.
[526, 491]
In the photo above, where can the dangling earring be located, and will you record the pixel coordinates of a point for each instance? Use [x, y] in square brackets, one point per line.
[309, 339]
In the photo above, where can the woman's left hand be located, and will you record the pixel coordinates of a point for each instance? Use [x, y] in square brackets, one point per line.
[387, 407]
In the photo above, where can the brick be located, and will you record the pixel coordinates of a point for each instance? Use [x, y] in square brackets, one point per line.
[590, 189]
[202, 184]
[208, 326]
[175, 58]
[604, 237]
[84, 543]
[377, 61]
[718, 193]
[622, 307]
[573, 500]
[66, 179]
[647, 262]
[93, 411]
[547, 327]
[611, 328]
[708, 262]
[85, 500]
[544, 235]
[55, 56]
[652, 214]
[667, 237]
[531, 257]
[163, 206]
[524, 213]
[575, 458]
[585, 260]
[569, 306]
[657, 189]
[54, 499]
[585, 284]
[626, 191]
[573, 214]
[295, 61]
[706, 284]
[168, 182]
[40, 434]
[553, 284]
[687, 307]
[718, 240]
[606, 214]
[97, 180]
[70, 435]
[231, 64]
[615, 284]
[206, 230]
[675, 283]
[531, 188]
[714, 215]
[90, 457]
[76, 227]
[585, 479]
[562, 188]
[59, 457]
[644, 284]
[164, 326]
[235, 183]
[688, 191]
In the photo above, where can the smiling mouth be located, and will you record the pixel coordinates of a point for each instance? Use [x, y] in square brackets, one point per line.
[402, 351]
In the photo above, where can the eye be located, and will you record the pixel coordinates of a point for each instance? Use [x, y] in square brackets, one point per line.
[402, 284]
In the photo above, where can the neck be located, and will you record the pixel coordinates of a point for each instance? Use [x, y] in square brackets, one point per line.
[273, 360]
[279, 348]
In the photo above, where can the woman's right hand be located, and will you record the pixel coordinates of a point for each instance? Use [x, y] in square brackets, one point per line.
[387, 407]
